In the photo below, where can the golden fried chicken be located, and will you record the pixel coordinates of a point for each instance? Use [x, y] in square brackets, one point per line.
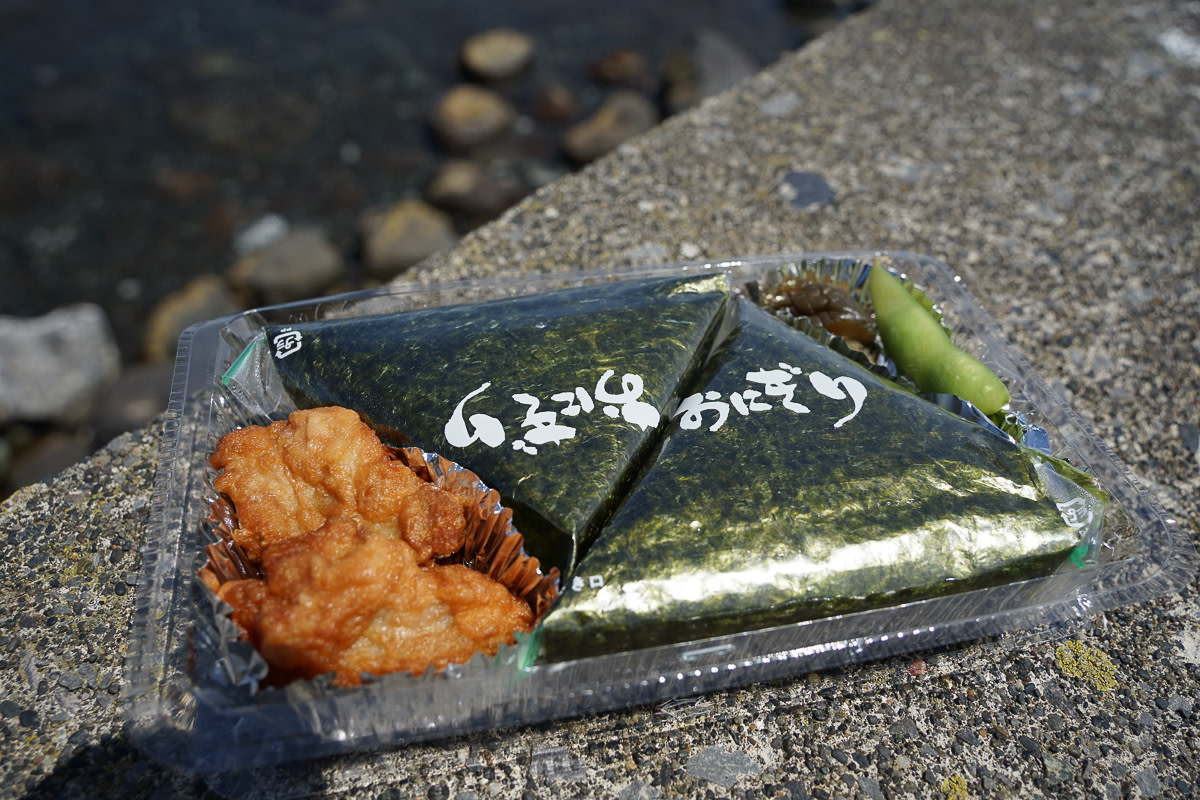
[349, 598]
[291, 477]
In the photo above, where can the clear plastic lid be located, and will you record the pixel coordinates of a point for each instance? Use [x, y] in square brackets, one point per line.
[185, 711]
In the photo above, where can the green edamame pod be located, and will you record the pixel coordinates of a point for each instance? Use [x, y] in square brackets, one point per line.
[919, 346]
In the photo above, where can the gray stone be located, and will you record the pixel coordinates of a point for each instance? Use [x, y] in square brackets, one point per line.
[556, 764]
[299, 264]
[53, 367]
[70, 681]
[1181, 704]
[260, 233]
[497, 54]
[624, 114]
[905, 730]
[468, 116]
[721, 767]
[806, 190]
[639, 791]
[1147, 781]
[1058, 770]
[470, 188]
[623, 67]
[203, 298]
[870, 787]
[403, 235]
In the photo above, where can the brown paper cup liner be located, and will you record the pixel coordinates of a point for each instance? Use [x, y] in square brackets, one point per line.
[492, 546]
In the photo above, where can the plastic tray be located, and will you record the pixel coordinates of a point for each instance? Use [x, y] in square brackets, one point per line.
[180, 715]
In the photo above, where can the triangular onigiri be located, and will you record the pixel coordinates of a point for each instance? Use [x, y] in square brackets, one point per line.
[795, 485]
[552, 399]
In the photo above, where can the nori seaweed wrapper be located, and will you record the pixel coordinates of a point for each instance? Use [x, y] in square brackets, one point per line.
[795, 485]
[553, 399]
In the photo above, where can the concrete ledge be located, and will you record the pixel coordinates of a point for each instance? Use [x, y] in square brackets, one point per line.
[1046, 150]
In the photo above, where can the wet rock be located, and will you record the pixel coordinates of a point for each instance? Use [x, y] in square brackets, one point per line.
[497, 54]
[260, 122]
[53, 367]
[623, 115]
[403, 235]
[554, 103]
[137, 397]
[708, 63]
[204, 298]
[301, 263]
[263, 231]
[623, 67]
[469, 188]
[468, 116]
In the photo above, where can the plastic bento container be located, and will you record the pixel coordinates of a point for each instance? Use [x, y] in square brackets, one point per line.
[183, 710]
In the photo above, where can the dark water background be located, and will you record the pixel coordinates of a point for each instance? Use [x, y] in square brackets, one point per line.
[137, 137]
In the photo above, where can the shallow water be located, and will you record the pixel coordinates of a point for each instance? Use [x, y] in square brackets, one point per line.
[137, 137]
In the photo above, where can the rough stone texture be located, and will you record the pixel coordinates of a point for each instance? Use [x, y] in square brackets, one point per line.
[624, 114]
[299, 264]
[401, 235]
[1047, 151]
[203, 298]
[470, 115]
[497, 54]
[54, 367]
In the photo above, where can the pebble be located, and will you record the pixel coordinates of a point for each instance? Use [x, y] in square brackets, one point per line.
[1147, 781]
[554, 103]
[720, 767]
[806, 190]
[260, 233]
[623, 67]
[203, 298]
[497, 54]
[403, 235]
[53, 367]
[468, 116]
[623, 115]
[470, 188]
[299, 264]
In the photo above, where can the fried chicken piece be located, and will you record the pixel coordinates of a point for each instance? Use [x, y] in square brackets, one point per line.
[350, 599]
[291, 477]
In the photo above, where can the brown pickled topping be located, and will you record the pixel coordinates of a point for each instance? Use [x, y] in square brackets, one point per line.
[828, 305]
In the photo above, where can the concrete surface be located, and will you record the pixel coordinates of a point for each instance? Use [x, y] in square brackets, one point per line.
[1049, 152]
